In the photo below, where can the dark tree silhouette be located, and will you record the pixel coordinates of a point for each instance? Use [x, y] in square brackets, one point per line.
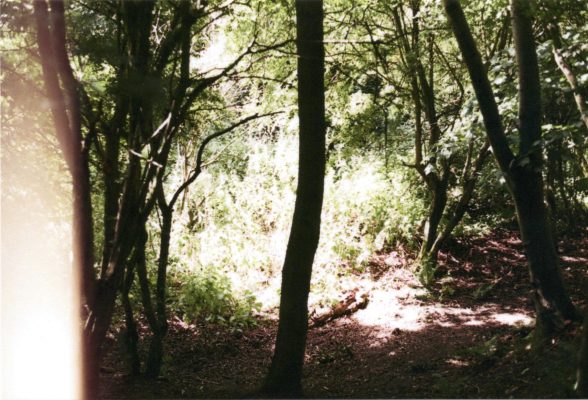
[284, 377]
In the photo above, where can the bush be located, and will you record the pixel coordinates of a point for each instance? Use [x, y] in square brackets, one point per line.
[209, 296]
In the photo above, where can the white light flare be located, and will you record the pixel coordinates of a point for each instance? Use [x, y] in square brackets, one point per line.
[40, 344]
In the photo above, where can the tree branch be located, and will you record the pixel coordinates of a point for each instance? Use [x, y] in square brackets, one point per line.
[198, 168]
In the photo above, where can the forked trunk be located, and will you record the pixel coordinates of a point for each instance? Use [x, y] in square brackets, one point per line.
[427, 262]
[523, 172]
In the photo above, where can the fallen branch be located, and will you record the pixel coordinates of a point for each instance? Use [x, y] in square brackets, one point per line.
[352, 303]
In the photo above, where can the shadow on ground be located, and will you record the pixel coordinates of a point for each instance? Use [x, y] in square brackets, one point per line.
[458, 342]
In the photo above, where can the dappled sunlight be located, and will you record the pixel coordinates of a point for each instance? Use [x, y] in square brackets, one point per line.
[409, 308]
[457, 362]
[386, 310]
[514, 319]
[575, 260]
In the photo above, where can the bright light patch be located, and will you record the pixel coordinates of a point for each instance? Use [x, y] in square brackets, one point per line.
[512, 318]
[386, 309]
[40, 342]
[391, 309]
[215, 56]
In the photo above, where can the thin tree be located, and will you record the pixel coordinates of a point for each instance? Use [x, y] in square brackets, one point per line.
[284, 376]
[156, 311]
[523, 170]
[437, 173]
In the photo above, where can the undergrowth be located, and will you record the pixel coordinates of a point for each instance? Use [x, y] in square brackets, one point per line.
[232, 229]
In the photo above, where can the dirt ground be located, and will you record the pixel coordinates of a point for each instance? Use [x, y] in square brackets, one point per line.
[469, 338]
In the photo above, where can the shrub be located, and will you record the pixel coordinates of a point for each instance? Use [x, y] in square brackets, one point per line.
[209, 296]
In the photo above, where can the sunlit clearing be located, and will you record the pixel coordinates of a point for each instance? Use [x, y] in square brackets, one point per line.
[388, 309]
[400, 308]
[40, 346]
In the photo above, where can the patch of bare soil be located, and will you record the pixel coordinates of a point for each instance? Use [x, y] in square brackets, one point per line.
[466, 339]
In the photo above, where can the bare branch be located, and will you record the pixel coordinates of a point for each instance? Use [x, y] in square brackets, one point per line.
[198, 169]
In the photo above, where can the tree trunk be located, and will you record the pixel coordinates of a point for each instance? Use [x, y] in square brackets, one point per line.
[549, 293]
[522, 172]
[470, 177]
[65, 110]
[582, 372]
[154, 359]
[427, 261]
[284, 376]
[131, 334]
[100, 316]
[111, 186]
[155, 345]
[527, 186]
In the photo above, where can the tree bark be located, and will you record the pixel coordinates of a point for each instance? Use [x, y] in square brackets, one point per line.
[523, 173]
[65, 110]
[154, 359]
[582, 372]
[131, 334]
[284, 376]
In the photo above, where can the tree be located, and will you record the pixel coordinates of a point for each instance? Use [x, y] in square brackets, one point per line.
[419, 102]
[284, 376]
[434, 168]
[131, 124]
[559, 29]
[62, 91]
[157, 315]
[582, 372]
[523, 170]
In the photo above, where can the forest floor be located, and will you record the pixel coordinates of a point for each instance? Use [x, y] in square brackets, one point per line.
[469, 338]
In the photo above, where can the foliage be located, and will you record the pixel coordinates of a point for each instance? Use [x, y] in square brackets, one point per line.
[207, 295]
[230, 228]
[251, 189]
